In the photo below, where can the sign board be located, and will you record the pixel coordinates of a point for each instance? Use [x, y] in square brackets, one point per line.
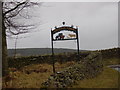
[60, 36]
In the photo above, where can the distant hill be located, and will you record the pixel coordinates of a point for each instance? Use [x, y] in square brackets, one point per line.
[38, 51]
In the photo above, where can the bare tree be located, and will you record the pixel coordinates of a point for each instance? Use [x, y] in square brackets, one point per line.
[10, 11]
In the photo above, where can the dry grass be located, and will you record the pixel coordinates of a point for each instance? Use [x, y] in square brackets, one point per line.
[33, 79]
[38, 73]
[111, 61]
[107, 79]
[0, 82]
[63, 66]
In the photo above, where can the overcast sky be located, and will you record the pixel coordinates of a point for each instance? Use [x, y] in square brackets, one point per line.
[97, 23]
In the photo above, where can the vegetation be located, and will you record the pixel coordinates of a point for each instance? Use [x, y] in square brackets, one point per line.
[107, 79]
[28, 77]
[90, 67]
[11, 26]
[61, 58]
[33, 74]
[111, 61]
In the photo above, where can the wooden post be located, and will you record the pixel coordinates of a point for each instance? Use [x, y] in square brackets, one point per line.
[52, 52]
[56, 30]
[77, 43]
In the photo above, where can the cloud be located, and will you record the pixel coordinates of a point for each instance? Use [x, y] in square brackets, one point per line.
[97, 22]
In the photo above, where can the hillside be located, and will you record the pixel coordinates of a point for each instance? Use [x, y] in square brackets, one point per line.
[37, 51]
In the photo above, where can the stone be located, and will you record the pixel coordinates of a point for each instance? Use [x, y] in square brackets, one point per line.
[88, 68]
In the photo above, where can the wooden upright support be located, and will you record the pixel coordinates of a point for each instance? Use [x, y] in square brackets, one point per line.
[64, 28]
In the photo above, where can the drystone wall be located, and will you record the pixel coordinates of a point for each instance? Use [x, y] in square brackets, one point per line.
[88, 67]
[61, 58]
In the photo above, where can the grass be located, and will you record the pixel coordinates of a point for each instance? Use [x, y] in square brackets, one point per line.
[33, 79]
[111, 61]
[23, 80]
[107, 79]
[0, 82]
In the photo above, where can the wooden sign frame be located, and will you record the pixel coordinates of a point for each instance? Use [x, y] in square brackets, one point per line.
[59, 29]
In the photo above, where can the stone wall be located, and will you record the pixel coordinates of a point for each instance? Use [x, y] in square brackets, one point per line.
[88, 67]
[24, 61]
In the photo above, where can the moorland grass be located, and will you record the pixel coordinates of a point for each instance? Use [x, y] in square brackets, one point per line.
[33, 79]
[107, 79]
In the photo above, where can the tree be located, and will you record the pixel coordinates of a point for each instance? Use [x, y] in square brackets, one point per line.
[10, 11]
[15, 46]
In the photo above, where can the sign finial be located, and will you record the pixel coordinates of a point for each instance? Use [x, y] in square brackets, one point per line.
[63, 23]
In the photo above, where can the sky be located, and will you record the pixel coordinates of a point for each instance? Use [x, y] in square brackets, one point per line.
[97, 23]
